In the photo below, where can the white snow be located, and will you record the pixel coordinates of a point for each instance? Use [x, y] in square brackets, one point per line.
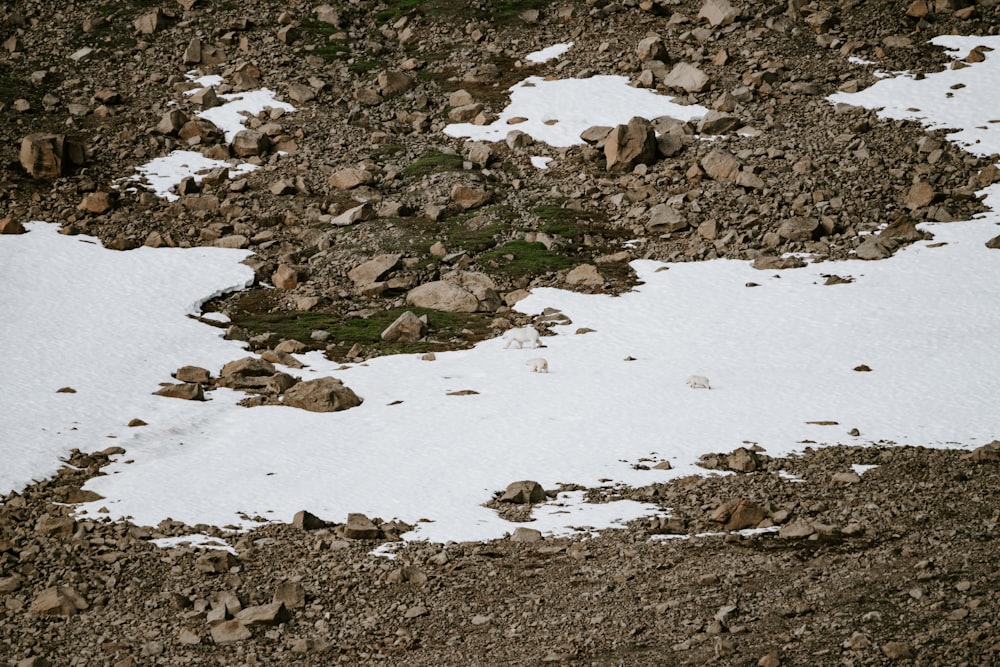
[161, 174]
[540, 162]
[556, 111]
[548, 53]
[780, 355]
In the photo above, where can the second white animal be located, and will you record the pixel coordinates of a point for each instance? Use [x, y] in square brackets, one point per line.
[521, 336]
[698, 382]
[538, 365]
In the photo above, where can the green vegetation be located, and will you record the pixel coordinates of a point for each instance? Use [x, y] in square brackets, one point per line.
[520, 258]
[443, 328]
[564, 222]
[432, 161]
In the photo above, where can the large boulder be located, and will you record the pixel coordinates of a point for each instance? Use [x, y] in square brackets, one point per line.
[629, 145]
[374, 269]
[443, 295]
[408, 328]
[324, 394]
[46, 156]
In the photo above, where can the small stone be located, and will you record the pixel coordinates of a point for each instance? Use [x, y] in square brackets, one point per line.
[265, 614]
[188, 391]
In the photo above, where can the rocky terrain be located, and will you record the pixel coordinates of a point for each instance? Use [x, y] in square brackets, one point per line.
[362, 209]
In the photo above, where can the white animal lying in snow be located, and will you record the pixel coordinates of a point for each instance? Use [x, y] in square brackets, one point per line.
[521, 336]
[538, 365]
[698, 382]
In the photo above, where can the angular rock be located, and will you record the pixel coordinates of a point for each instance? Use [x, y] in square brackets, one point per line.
[719, 122]
[193, 374]
[872, 249]
[799, 229]
[720, 166]
[172, 121]
[442, 295]
[687, 77]
[250, 142]
[11, 226]
[265, 614]
[629, 145]
[359, 213]
[188, 391]
[215, 561]
[664, 219]
[229, 631]
[468, 197]
[407, 328]
[374, 269]
[290, 593]
[523, 534]
[846, 478]
[718, 12]
[903, 229]
[346, 179]
[746, 514]
[796, 530]
[651, 48]
[285, 277]
[393, 83]
[919, 195]
[47, 156]
[523, 492]
[307, 521]
[324, 394]
[359, 527]
[742, 460]
[774, 263]
[152, 22]
[96, 202]
[585, 275]
[58, 601]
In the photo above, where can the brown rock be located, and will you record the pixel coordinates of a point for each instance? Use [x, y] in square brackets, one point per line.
[307, 521]
[664, 219]
[215, 561]
[718, 12]
[47, 156]
[285, 277]
[96, 203]
[992, 244]
[250, 142]
[58, 601]
[193, 374]
[746, 514]
[918, 9]
[686, 77]
[774, 263]
[229, 631]
[359, 527]
[265, 614]
[742, 460]
[152, 22]
[346, 179]
[799, 229]
[919, 195]
[188, 391]
[468, 197]
[523, 492]
[290, 593]
[904, 229]
[11, 226]
[442, 295]
[324, 394]
[393, 83]
[407, 328]
[524, 534]
[374, 269]
[897, 650]
[629, 145]
[585, 275]
[720, 166]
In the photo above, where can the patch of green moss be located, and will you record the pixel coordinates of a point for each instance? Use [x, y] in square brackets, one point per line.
[564, 222]
[445, 330]
[433, 161]
[520, 258]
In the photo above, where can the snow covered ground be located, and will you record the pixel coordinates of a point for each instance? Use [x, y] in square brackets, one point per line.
[779, 356]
